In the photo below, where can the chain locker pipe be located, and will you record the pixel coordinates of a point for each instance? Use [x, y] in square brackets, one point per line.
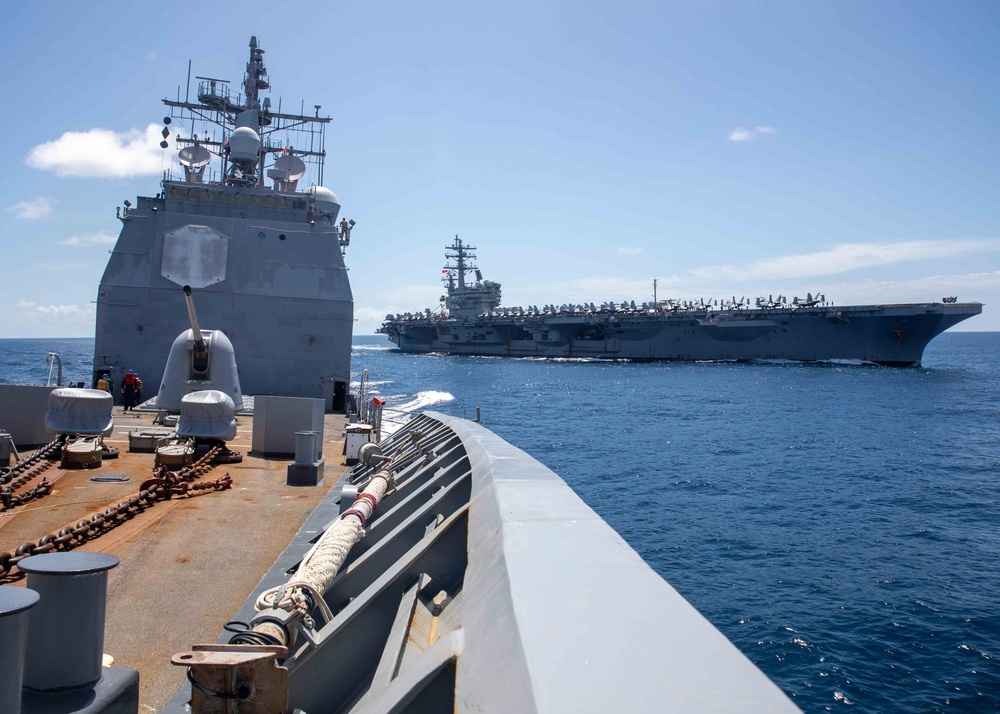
[14, 606]
[66, 645]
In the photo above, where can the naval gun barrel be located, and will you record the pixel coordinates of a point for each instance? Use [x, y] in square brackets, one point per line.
[199, 341]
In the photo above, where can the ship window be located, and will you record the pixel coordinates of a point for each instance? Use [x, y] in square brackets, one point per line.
[261, 234]
[281, 237]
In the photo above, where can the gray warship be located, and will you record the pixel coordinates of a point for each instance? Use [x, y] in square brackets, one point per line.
[471, 321]
[266, 261]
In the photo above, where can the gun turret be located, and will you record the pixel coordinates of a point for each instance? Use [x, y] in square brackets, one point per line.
[207, 364]
[199, 340]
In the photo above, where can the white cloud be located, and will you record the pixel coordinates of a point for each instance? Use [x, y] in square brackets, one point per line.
[101, 153]
[150, 56]
[842, 258]
[742, 134]
[58, 266]
[979, 287]
[625, 250]
[972, 287]
[89, 240]
[597, 289]
[368, 319]
[70, 315]
[32, 209]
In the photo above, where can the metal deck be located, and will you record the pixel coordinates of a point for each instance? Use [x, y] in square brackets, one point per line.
[187, 563]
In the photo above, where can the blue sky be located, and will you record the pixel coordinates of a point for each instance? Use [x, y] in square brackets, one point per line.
[585, 148]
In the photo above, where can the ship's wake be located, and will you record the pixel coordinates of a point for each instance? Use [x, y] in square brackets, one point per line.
[396, 414]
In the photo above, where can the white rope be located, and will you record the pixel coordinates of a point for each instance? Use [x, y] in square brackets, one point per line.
[324, 561]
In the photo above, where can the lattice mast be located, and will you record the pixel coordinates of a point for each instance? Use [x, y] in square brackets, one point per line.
[242, 130]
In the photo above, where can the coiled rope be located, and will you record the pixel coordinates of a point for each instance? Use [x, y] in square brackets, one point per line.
[322, 563]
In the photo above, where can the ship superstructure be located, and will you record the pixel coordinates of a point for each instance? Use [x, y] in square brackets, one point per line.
[805, 329]
[465, 299]
[264, 258]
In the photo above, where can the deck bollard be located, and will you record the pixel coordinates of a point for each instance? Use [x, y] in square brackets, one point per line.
[307, 470]
[66, 630]
[305, 447]
[14, 606]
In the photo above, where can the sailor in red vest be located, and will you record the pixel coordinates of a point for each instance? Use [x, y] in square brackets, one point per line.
[128, 390]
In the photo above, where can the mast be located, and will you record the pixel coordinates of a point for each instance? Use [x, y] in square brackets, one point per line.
[460, 253]
[256, 76]
[467, 299]
[225, 116]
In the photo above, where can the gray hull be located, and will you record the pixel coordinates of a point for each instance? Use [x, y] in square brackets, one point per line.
[883, 334]
[283, 297]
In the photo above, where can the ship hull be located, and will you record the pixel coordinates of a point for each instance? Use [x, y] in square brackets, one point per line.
[279, 290]
[893, 335]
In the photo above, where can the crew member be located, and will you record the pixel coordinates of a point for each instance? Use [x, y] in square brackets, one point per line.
[128, 390]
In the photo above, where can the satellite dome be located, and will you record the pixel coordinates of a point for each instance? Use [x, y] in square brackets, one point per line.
[326, 200]
[244, 143]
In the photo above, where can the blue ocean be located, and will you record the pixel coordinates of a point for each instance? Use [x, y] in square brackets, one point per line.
[840, 524]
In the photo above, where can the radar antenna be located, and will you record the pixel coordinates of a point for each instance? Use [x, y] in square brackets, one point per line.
[242, 130]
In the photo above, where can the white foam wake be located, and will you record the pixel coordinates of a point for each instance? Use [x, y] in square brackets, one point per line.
[395, 415]
[422, 400]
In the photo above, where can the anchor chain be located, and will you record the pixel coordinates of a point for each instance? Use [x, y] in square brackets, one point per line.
[24, 471]
[162, 487]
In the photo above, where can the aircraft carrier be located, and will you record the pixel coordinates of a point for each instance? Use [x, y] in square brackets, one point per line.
[265, 261]
[470, 321]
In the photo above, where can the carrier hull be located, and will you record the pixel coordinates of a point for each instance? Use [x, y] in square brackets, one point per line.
[882, 334]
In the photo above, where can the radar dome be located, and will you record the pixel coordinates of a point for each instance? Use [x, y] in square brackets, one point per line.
[244, 143]
[326, 199]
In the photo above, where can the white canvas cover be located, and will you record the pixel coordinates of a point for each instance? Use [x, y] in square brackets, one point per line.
[79, 411]
[208, 414]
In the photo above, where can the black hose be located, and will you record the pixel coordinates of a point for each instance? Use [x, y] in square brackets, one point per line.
[245, 635]
[241, 693]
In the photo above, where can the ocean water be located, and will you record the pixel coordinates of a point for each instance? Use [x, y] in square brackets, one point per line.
[23, 361]
[840, 524]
